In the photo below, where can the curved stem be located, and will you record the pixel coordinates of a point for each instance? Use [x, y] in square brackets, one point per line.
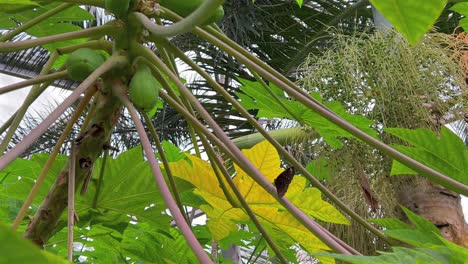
[313, 104]
[34, 21]
[278, 146]
[192, 241]
[197, 17]
[109, 29]
[40, 79]
[50, 160]
[112, 62]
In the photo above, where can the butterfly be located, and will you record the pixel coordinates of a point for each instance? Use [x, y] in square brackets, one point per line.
[283, 180]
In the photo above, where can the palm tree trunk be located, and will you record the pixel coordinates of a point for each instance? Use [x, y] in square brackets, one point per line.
[435, 203]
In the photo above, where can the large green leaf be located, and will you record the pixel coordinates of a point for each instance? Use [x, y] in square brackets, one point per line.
[17, 180]
[15, 249]
[128, 192]
[147, 244]
[430, 247]
[255, 96]
[445, 153]
[412, 18]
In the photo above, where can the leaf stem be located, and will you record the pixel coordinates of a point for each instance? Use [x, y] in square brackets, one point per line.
[35, 91]
[112, 62]
[40, 79]
[228, 146]
[192, 241]
[243, 202]
[108, 29]
[71, 201]
[101, 177]
[34, 22]
[170, 176]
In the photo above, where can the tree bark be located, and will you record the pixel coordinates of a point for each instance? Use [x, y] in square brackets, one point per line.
[435, 203]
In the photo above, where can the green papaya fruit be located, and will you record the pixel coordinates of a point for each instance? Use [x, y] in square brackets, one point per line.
[186, 7]
[82, 62]
[118, 7]
[144, 88]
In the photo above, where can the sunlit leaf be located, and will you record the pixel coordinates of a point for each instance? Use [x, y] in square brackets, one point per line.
[223, 217]
[411, 17]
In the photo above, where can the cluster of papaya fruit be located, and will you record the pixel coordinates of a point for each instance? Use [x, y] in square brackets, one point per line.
[143, 87]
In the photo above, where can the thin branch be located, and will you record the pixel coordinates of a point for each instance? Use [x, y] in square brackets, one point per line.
[71, 201]
[248, 167]
[112, 62]
[34, 21]
[101, 177]
[40, 79]
[165, 162]
[108, 29]
[192, 241]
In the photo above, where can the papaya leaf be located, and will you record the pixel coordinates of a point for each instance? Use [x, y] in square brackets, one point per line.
[16, 249]
[319, 169]
[55, 24]
[445, 153]
[147, 244]
[99, 244]
[430, 247]
[410, 17]
[223, 217]
[18, 179]
[254, 96]
[14, 6]
[128, 192]
[172, 152]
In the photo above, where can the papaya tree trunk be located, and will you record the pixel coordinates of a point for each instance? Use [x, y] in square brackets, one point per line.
[89, 146]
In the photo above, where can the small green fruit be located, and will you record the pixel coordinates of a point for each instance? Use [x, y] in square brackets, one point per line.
[186, 7]
[82, 62]
[118, 7]
[144, 89]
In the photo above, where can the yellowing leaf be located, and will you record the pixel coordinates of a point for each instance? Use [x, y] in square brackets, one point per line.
[199, 173]
[223, 218]
[310, 201]
[266, 159]
[283, 220]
